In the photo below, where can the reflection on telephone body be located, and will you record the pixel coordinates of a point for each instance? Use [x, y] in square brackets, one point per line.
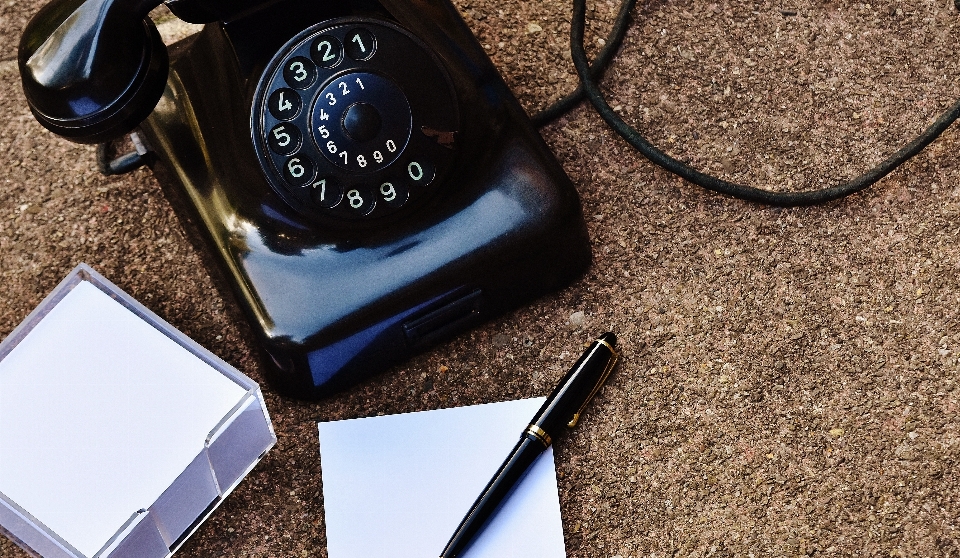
[357, 172]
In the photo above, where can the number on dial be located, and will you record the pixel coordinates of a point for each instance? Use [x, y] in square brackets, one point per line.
[394, 194]
[284, 104]
[421, 172]
[326, 192]
[298, 170]
[284, 138]
[360, 200]
[326, 51]
[299, 73]
[360, 44]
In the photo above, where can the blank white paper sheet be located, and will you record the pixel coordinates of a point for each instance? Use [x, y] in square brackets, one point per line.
[397, 486]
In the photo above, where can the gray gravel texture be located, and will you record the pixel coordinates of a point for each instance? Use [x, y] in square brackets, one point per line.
[789, 385]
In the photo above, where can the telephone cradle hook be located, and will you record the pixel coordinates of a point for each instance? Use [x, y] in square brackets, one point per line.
[110, 164]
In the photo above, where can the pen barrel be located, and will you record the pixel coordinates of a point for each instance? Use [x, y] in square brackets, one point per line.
[496, 492]
[563, 407]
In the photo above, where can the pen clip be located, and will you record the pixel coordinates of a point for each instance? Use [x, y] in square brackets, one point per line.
[603, 378]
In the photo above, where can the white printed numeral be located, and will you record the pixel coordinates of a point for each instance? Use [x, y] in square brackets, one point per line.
[322, 183]
[359, 41]
[300, 71]
[355, 199]
[388, 191]
[283, 138]
[295, 168]
[415, 171]
[327, 49]
[283, 105]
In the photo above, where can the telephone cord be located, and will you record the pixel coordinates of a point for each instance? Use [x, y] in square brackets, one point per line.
[589, 75]
[597, 67]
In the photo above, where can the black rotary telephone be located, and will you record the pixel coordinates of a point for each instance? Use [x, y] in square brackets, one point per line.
[357, 172]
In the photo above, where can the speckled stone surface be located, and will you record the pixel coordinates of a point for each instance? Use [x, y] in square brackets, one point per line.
[789, 378]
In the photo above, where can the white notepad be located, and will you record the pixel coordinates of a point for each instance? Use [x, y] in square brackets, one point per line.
[118, 435]
[397, 486]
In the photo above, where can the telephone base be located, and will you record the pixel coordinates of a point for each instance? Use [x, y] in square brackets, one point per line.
[333, 300]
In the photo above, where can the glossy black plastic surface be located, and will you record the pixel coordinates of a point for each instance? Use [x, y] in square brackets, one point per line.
[92, 70]
[206, 11]
[337, 301]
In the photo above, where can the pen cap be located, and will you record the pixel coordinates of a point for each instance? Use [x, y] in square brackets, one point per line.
[578, 387]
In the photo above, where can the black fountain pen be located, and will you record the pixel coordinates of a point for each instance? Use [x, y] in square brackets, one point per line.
[563, 407]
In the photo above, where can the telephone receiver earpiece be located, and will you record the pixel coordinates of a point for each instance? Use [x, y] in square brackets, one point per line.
[93, 70]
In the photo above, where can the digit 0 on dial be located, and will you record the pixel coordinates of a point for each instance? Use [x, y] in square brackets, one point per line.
[354, 119]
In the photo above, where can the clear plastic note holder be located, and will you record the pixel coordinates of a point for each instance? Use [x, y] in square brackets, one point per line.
[118, 434]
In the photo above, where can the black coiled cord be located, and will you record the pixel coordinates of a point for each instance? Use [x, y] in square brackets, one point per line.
[590, 73]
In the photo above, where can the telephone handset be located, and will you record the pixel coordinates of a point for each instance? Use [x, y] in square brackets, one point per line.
[357, 173]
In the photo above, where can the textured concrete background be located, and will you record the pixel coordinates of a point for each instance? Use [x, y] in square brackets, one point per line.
[789, 380]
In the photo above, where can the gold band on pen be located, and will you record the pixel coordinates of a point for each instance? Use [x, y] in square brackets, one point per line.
[539, 434]
[609, 346]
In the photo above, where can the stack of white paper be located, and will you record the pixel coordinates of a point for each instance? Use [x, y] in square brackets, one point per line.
[117, 434]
